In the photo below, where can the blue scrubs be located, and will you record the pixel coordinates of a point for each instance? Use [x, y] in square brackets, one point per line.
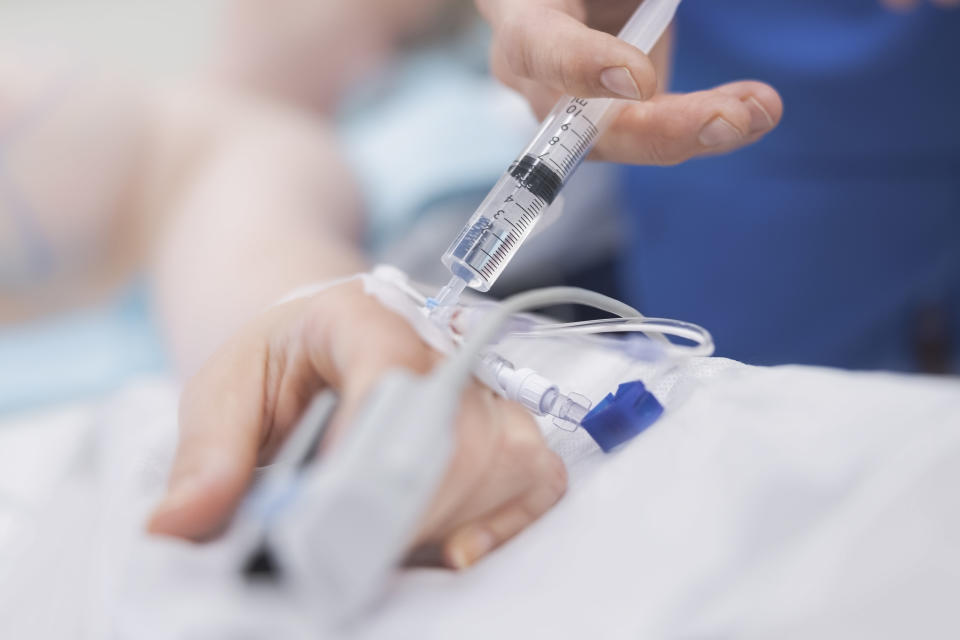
[836, 240]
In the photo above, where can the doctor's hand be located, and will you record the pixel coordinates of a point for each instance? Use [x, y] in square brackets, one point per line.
[236, 412]
[547, 48]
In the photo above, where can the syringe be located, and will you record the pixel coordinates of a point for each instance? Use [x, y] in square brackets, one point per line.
[509, 213]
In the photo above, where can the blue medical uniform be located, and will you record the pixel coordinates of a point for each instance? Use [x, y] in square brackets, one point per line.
[836, 240]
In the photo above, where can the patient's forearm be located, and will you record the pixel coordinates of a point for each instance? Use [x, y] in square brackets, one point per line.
[70, 143]
[271, 207]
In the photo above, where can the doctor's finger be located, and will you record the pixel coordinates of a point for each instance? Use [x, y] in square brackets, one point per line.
[540, 97]
[672, 128]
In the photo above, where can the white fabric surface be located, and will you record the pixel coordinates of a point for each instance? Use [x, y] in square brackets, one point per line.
[782, 502]
[776, 503]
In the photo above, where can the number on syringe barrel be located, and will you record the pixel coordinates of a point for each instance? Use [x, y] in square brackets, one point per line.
[571, 139]
[523, 216]
[541, 172]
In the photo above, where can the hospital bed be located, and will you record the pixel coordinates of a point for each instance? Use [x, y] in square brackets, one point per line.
[767, 502]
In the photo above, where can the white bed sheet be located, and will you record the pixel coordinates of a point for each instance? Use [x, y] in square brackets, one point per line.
[768, 502]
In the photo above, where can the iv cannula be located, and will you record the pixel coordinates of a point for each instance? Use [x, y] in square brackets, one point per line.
[509, 213]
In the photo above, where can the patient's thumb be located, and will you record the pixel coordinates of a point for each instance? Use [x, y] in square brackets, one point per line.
[201, 496]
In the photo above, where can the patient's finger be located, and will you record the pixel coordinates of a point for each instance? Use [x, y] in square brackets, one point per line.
[353, 343]
[672, 128]
[519, 484]
[495, 439]
[221, 413]
[471, 542]
[237, 411]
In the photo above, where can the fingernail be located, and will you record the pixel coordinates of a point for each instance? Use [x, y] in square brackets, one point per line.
[470, 547]
[760, 120]
[619, 81]
[719, 133]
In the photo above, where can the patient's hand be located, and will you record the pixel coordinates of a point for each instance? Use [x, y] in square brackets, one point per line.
[236, 411]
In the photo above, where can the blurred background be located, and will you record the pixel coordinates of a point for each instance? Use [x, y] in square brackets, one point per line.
[803, 266]
[156, 38]
[70, 338]
[85, 347]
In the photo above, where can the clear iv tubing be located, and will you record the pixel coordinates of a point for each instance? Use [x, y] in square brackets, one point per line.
[629, 320]
[511, 211]
[542, 397]
[702, 346]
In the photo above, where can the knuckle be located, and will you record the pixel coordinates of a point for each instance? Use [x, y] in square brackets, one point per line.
[377, 335]
[502, 71]
[657, 153]
[407, 352]
[523, 443]
[513, 43]
[654, 138]
[670, 145]
[316, 319]
[675, 129]
[500, 67]
[571, 72]
[523, 426]
[548, 488]
[552, 471]
[415, 356]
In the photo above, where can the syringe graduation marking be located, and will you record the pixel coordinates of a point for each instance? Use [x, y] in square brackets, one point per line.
[580, 146]
[526, 218]
[593, 127]
[486, 249]
[531, 184]
[534, 175]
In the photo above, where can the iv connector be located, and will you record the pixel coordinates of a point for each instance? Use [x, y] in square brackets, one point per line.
[441, 304]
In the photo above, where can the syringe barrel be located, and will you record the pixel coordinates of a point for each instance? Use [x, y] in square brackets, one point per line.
[511, 211]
